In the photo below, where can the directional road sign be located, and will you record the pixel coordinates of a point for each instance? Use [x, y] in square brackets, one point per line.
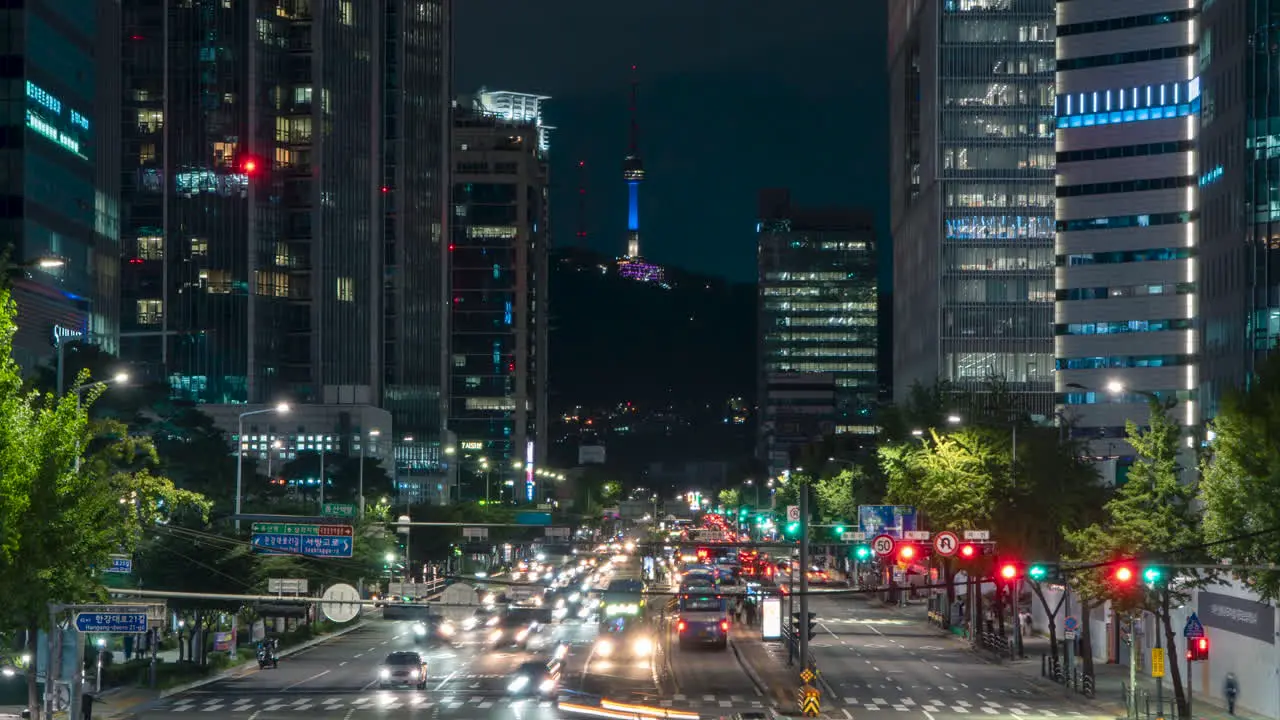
[301, 539]
[977, 534]
[883, 545]
[853, 537]
[108, 622]
[342, 510]
[793, 513]
[533, 517]
[120, 564]
[1193, 628]
[946, 543]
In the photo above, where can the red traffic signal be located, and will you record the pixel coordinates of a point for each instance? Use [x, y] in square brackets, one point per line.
[250, 165]
[1008, 571]
[968, 551]
[1198, 648]
[907, 552]
[1124, 574]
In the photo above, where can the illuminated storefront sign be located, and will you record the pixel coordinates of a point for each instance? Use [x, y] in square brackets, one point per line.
[46, 118]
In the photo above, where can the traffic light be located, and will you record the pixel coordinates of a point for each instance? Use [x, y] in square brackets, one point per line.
[1198, 648]
[1123, 575]
[1038, 572]
[907, 553]
[838, 530]
[1153, 575]
[811, 624]
[1009, 572]
[862, 553]
[793, 529]
[250, 165]
[968, 551]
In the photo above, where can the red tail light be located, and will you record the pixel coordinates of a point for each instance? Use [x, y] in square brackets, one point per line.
[680, 626]
[724, 625]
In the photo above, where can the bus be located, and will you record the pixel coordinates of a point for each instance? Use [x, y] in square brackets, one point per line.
[704, 617]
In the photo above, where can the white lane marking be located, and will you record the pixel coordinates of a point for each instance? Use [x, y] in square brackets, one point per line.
[446, 679]
[313, 677]
[928, 715]
[344, 662]
[254, 716]
[359, 654]
[953, 677]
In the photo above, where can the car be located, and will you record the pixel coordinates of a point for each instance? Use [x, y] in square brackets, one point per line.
[434, 628]
[536, 678]
[403, 669]
[512, 629]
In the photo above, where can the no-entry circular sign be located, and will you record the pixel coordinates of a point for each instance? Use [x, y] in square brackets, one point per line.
[883, 545]
[946, 543]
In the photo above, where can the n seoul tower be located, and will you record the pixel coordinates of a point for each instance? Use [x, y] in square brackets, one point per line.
[633, 174]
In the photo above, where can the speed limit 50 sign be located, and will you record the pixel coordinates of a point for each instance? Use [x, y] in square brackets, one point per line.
[882, 545]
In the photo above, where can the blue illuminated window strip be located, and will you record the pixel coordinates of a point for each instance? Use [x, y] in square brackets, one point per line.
[1127, 116]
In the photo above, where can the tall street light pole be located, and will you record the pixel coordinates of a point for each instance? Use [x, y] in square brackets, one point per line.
[281, 408]
[373, 435]
[119, 379]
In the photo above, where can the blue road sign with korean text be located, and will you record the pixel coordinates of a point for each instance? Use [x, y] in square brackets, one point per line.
[120, 564]
[1193, 628]
[107, 622]
[309, 545]
[891, 520]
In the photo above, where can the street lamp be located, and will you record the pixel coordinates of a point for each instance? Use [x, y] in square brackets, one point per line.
[953, 419]
[373, 435]
[281, 408]
[117, 379]
[484, 465]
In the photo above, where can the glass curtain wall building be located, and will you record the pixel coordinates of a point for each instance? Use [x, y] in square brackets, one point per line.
[1239, 169]
[1127, 213]
[818, 317]
[61, 175]
[972, 162]
[499, 257]
[414, 279]
[249, 275]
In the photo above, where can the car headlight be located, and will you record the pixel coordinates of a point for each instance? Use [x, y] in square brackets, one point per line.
[491, 621]
[384, 673]
[495, 636]
[575, 597]
[413, 674]
[547, 685]
[419, 629]
[446, 629]
[642, 646]
[604, 648]
[518, 684]
[469, 623]
[559, 603]
[520, 636]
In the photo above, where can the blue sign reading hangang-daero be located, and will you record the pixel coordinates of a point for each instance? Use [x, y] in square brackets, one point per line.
[1250, 618]
[892, 520]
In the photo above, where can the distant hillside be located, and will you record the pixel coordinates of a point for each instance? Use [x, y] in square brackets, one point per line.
[615, 340]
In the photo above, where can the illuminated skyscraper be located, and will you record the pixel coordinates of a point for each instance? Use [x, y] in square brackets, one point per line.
[1128, 116]
[61, 179]
[516, 107]
[971, 195]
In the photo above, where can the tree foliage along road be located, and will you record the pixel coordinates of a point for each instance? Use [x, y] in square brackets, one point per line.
[1152, 516]
[72, 493]
[1240, 481]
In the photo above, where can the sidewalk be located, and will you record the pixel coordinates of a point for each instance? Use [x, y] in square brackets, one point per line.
[766, 665]
[1109, 679]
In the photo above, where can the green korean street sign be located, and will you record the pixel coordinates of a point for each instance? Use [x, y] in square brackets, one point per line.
[341, 510]
[285, 529]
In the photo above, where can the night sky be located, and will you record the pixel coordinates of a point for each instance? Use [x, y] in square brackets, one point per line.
[734, 96]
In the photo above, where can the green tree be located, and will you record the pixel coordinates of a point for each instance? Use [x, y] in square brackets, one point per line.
[1151, 517]
[836, 495]
[1240, 480]
[730, 499]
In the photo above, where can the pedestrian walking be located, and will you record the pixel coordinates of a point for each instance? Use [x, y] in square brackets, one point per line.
[1231, 690]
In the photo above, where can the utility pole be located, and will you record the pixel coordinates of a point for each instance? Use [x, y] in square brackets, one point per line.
[802, 627]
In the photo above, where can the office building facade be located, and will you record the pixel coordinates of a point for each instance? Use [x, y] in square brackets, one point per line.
[1239, 185]
[499, 330]
[971, 195]
[61, 214]
[264, 144]
[818, 324]
[1128, 102]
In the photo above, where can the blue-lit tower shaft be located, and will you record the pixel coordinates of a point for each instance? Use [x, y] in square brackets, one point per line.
[633, 174]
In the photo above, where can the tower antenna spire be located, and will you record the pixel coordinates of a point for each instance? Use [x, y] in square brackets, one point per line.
[635, 121]
[582, 202]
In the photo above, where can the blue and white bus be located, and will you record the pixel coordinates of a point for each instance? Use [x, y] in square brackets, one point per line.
[704, 617]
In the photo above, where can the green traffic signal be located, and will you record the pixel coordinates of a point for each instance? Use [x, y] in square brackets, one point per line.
[838, 530]
[1037, 572]
[862, 552]
[1152, 575]
[793, 528]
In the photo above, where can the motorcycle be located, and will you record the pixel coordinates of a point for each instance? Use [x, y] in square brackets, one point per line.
[266, 657]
